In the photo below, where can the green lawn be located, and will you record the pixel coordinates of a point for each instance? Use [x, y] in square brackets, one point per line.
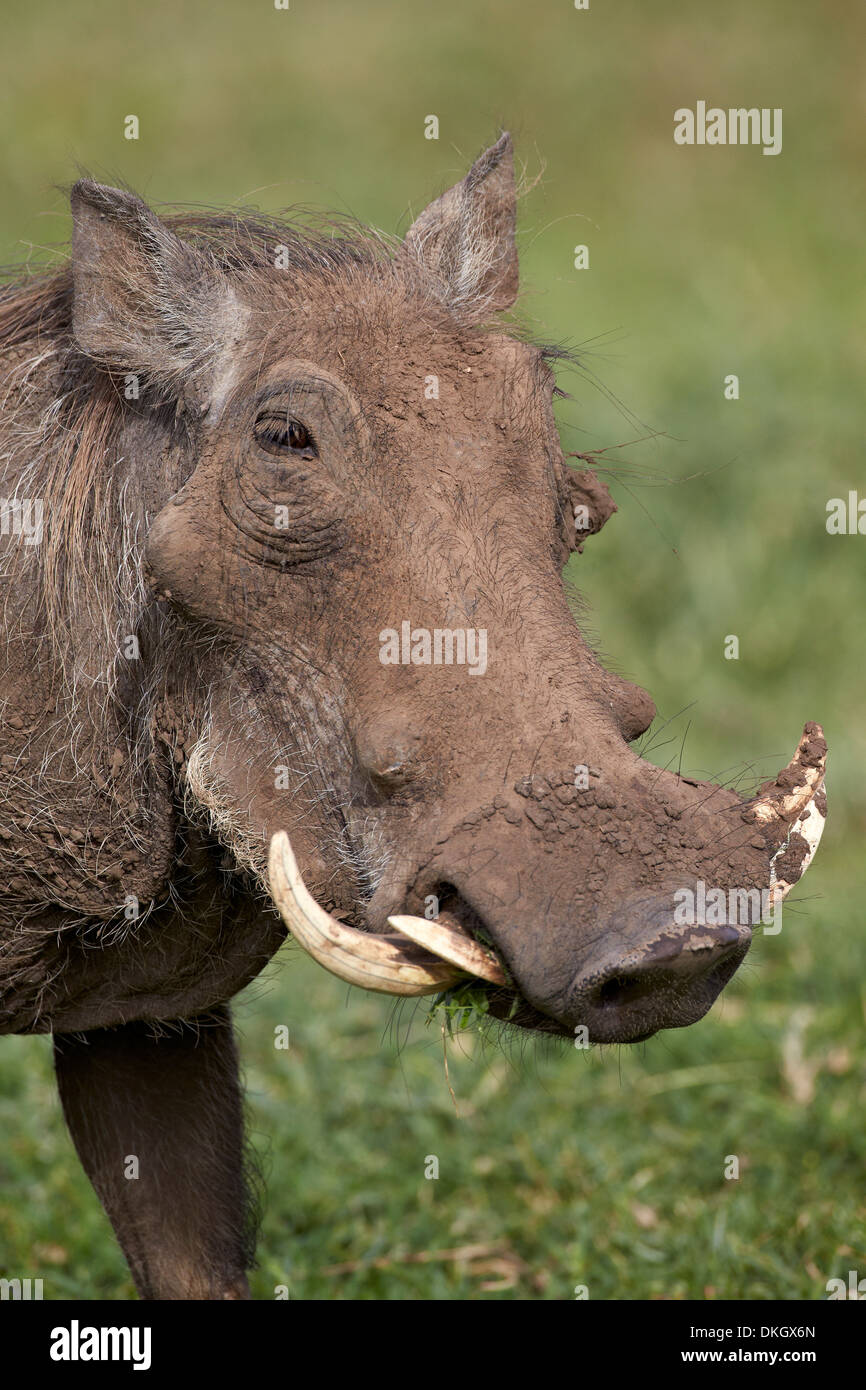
[557, 1168]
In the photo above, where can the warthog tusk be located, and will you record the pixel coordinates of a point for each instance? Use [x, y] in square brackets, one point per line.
[374, 961]
[796, 801]
[811, 827]
[796, 785]
[451, 944]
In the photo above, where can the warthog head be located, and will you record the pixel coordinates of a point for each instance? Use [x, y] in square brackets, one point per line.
[379, 698]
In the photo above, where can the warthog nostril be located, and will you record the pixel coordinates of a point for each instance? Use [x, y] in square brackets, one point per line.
[621, 989]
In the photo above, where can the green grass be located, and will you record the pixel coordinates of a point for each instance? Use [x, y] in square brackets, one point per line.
[564, 1168]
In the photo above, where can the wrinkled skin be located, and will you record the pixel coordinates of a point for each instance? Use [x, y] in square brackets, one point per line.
[262, 704]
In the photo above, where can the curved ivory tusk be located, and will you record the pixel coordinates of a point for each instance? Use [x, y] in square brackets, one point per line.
[373, 961]
[803, 777]
[811, 827]
[796, 801]
[452, 945]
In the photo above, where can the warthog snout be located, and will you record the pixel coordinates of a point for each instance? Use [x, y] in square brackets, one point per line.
[667, 975]
[607, 912]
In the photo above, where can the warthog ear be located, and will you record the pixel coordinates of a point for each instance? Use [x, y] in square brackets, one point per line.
[144, 301]
[465, 239]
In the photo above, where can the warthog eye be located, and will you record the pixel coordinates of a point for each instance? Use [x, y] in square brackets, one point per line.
[279, 434]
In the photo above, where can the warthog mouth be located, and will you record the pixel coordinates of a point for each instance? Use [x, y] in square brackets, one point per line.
[421, 957]
[418, 957]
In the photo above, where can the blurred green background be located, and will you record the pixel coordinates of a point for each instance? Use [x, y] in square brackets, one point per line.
[557, 1168]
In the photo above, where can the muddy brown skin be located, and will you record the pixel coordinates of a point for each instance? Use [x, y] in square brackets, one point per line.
[245, 468]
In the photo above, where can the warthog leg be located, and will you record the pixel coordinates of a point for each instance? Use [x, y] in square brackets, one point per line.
[157, 1124]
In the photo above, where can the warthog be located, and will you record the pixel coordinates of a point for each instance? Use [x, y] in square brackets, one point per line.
[286, 474]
